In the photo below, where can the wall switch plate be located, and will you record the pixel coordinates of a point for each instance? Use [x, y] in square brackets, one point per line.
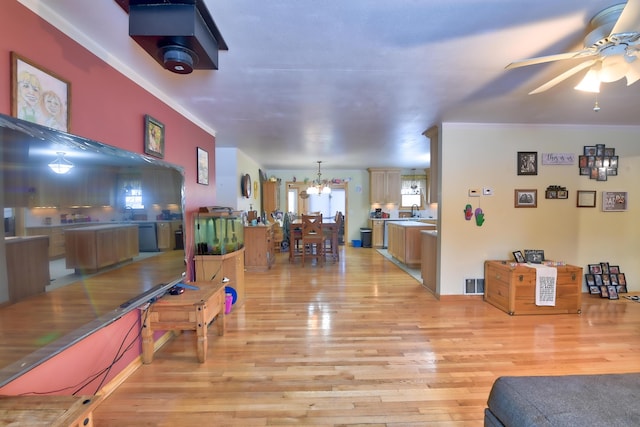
[487, 191]
[474, 192]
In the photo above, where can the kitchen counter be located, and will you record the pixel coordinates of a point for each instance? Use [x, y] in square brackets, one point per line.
[405, 241]
[91, 248]
[27, 266]
[379, 227]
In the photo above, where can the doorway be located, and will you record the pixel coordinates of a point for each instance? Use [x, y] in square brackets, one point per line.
[299, 202]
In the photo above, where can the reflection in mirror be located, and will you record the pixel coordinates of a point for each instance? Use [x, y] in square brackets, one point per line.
[78, 211]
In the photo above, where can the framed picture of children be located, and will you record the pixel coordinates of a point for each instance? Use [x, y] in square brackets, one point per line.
[39, 95]
[153, 137]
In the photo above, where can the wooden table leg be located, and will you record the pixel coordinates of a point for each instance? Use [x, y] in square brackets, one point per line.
[201, 331]
[147, 338]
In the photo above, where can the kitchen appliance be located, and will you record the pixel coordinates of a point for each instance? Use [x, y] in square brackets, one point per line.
[378, 213]
[147, 237]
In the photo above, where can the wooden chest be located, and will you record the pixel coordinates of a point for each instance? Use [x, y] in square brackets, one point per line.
[512, 288]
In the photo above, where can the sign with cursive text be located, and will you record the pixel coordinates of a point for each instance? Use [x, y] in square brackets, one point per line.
[558, 159]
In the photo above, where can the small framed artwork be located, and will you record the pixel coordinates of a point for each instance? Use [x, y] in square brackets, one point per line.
[614, 279]
[590, 150]
[517, 255]
[622, 289]
[589, 279]
[153, 137]
[527, 163]
[39, 95]
[594, 290]
[622, 279]
[586, 199]
[604, 291]
[605, 267]
[534, 256]
[595, 269]
[525, 198]
[614, 269]
[613, 292]
[598, 279]
[203, 166]
[614, 201]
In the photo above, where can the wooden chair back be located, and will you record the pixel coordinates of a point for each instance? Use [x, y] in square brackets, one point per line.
[311, 226]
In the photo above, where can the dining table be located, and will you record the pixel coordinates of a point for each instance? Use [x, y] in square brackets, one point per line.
[329, 225]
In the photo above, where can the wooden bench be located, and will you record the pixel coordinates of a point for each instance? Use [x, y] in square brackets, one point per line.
[54, 411]
[192, 310]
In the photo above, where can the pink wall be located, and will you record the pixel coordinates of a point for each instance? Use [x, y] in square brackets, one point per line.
[109, 108]
[105, 105]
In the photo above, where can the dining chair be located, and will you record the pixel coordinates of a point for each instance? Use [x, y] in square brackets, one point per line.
[331, 232]
[312, 238]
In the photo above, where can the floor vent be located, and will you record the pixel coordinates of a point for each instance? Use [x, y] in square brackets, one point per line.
[473, 286]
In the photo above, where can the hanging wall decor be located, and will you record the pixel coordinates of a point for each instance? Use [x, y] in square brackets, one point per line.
[39, 95]
[598, 162]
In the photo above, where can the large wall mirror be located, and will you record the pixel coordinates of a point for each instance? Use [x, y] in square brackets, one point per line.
[54, 182]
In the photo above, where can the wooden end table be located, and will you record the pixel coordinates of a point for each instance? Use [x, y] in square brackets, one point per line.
[193, 310]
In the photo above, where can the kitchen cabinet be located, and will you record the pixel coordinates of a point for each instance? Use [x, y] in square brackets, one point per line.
[377, 232]
[56, 239]
[79, 187]
[230, 265]
[27, 266]
[161, 186]
[258, 244]
[433, 174]
[270, 196]
[384, 186]
[163, 235]
[429, 259]
[89, 249]
[511, 287]
[405, 241]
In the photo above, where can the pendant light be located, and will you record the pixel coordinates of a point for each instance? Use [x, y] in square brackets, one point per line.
[318, 186]
[61, 165]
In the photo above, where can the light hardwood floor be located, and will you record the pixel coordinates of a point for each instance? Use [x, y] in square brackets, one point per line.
[360, 342]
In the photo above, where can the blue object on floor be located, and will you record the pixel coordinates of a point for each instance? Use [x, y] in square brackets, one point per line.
[234, 294]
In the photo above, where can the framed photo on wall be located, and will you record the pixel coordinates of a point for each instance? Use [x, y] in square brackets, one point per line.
[153, 137]
[525, 198]
[586, 199]
[203, 166]
[39, 95]
[614, 201]
[527, 163]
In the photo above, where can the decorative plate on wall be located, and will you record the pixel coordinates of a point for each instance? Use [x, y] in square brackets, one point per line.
[245, 186]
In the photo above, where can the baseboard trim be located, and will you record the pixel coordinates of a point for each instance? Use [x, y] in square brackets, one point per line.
[131, 368]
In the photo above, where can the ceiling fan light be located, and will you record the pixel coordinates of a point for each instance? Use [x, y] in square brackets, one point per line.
[613, 69]
[633, 73]
[590, 82]
[60, 165]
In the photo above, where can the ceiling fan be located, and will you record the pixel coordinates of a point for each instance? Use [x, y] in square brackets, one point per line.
[611, 50]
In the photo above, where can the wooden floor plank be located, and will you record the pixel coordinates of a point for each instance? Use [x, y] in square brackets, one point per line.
[360, 342]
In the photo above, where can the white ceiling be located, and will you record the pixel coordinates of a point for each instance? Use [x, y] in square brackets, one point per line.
[354, 83]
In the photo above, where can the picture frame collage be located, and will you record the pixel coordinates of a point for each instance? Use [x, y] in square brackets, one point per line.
[598, 162]
[606, 280]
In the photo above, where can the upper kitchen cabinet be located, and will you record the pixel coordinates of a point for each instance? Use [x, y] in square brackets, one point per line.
[384, 185]
[271, 196]
[79, 187]
[161, 186]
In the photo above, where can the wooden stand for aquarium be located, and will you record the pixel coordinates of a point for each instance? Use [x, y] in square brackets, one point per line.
[215, 267]
[512, 288]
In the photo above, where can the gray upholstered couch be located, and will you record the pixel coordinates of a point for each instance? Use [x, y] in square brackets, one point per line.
[608, 400]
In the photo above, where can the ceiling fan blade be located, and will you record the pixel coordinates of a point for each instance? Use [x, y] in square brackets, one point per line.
[542, 59]
[551, 83]
[629, 21]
